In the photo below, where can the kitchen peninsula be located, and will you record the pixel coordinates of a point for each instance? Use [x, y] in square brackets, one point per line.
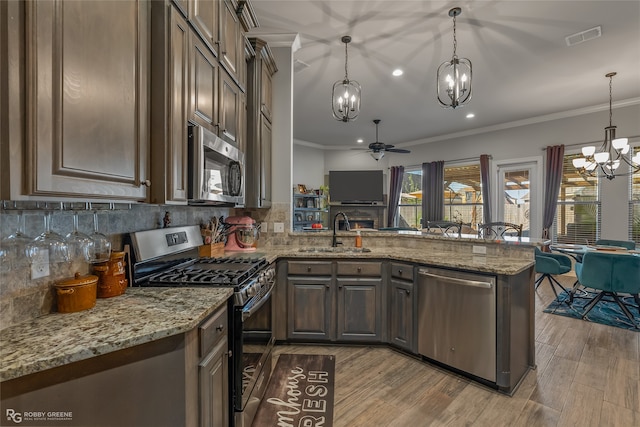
[378, 284]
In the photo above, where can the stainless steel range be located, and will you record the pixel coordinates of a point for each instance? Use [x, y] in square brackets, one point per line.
[169, 257]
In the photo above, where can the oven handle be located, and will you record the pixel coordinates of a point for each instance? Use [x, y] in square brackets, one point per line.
[254, 307]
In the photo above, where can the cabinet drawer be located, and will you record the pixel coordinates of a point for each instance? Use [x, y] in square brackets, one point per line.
[322, 268]
[212, 330]
[346, 268]
[402, 271]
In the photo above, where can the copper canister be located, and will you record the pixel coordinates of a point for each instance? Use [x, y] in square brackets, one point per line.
[112, 279]
[76, 293]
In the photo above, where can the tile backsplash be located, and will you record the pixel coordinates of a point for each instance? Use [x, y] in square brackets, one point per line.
[22, 298]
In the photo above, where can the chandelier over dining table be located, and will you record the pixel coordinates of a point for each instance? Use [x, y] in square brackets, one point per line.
[454, 76]
[607, 159]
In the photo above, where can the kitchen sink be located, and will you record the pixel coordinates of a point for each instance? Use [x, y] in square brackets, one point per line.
[334, 250]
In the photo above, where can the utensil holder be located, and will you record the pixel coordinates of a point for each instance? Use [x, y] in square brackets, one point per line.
[212, 250]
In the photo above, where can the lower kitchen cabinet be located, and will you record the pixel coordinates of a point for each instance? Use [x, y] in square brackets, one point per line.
[335, 301]
[359, 309]
[401, 307]
[177, 381]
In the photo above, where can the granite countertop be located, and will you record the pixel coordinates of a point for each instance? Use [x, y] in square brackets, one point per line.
[139, 316]
[483, 263]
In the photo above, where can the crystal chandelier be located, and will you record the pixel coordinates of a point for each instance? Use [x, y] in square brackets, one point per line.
[346, 93]
[613, 151]
[454, 77]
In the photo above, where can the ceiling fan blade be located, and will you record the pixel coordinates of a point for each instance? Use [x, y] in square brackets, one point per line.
[397, 150]
[388, 146]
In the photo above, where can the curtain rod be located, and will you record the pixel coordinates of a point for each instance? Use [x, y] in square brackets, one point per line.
[451, 161]
[579, 144]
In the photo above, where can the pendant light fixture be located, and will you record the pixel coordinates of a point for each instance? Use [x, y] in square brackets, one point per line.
[606, 160]
[454, 77]
[346, 93]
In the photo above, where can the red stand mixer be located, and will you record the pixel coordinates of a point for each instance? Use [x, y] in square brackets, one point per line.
[243, 234]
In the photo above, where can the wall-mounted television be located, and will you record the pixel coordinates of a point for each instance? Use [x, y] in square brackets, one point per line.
[364, 186]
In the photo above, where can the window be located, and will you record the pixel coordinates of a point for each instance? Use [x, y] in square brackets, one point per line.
[578, 212]
[462, 196]
[634, 204]
[410, 206]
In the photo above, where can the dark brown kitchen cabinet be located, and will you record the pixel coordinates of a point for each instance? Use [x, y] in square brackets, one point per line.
[231, 39]
[204, 15]
[86, 127]
[402, 307]
[203, 93]
[171, 45]
[259, 106]
[310, 296]
[230, 104]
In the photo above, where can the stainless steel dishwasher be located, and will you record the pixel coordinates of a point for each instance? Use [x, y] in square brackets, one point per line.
[457, 320]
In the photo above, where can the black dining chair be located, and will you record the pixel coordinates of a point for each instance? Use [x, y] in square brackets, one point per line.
[499, 229]
[447, 228]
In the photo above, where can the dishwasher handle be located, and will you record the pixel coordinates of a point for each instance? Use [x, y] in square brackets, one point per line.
[463, 282]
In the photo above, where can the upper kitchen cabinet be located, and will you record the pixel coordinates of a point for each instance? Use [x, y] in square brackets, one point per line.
[80, 77]
[170, 107]
[204, 15]
[231, 39]
[230, 105]
[261, 68]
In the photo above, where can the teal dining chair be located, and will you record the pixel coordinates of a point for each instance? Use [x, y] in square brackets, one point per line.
[549, 264]
[629, 244]
[611, 274]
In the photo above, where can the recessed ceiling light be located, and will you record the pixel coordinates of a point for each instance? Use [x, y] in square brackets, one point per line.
[360, 141]
[470, 116]
[397, 72]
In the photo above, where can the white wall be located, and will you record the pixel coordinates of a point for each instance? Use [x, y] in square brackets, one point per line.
[308, 166]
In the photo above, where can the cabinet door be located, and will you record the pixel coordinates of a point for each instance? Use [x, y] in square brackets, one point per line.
[401, 314]
[229, 113]
[205, 18]
[265, 160]
[203, 105]
[87, 110]
[359, 309]
[214, 387]
[231, 48]
[309, 313]
[266, 94]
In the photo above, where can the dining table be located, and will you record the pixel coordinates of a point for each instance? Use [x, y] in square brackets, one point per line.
[577, 251]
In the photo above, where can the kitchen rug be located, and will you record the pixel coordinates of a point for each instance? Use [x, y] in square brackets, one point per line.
[606, 311]
[300, 392]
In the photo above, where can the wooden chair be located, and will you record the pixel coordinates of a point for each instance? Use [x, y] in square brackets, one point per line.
[497, 230]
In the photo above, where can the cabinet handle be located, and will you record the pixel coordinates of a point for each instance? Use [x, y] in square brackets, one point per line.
[399, 272]
[219, 327]
[407, 291]
[359, 269]
[308, 269]
[145, 183]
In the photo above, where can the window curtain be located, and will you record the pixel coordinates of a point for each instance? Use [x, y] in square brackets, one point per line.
[486, 188]
[433, 188]
[395, 189]
[553, 179]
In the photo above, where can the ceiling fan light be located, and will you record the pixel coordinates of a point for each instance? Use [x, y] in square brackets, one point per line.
[377, 155]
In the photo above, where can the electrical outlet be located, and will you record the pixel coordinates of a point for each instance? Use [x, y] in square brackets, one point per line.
[263, 227]
[480, 250]
[40, 265]
[278, 227]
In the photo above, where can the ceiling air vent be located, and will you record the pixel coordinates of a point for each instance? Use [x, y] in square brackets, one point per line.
[583, 36]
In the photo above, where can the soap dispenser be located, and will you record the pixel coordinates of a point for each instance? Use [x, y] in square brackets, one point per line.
[358, 239]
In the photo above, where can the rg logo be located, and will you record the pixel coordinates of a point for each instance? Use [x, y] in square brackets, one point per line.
[14, 416]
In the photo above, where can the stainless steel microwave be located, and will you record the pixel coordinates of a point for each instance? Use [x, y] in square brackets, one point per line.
[216, 173]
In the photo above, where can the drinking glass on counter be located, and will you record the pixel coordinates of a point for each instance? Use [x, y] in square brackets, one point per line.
[80, 244]
[49, 244]
[101, 249]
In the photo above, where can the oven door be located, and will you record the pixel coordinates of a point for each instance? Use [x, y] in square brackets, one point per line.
[254, 345]
[216, 174]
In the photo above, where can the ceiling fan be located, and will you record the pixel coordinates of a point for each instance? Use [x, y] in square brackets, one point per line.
[378, 148]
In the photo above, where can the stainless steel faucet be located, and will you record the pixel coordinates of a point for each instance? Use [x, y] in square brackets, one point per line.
[334, 241]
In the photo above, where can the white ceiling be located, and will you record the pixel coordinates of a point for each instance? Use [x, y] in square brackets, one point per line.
[522, 66]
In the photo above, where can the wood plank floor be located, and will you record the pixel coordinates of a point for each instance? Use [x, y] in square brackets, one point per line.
[587, 375]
